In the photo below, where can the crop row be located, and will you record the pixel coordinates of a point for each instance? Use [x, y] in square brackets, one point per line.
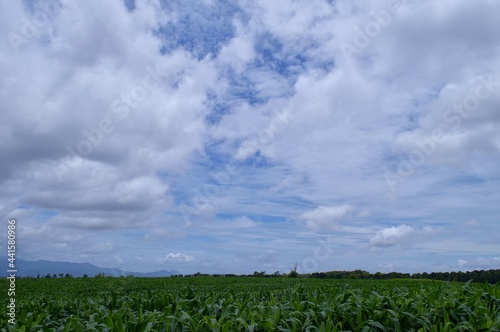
[249, 304]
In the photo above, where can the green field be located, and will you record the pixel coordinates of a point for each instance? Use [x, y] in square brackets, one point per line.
[250, 304]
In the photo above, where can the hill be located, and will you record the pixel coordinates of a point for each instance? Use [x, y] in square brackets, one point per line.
[41, 268]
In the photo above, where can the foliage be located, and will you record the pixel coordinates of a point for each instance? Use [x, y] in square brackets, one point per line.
[491, 276]
[250, 304]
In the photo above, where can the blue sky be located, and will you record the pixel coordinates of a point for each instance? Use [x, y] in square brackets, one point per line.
[240, 136]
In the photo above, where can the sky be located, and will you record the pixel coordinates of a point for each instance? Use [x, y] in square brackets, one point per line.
[235, 136]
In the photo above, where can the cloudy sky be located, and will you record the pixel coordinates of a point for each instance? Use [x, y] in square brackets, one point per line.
[229, 136]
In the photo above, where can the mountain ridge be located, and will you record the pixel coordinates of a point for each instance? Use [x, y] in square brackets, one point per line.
[41, 268]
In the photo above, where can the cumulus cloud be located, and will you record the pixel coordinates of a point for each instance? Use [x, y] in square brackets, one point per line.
[115, 119]
[402, 235]
[104, 113]
[177, 257]
[392, 236]
[325, 217]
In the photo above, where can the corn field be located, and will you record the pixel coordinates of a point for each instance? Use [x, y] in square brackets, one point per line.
[250, 304]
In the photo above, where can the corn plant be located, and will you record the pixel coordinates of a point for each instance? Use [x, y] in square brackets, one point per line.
[250, 304]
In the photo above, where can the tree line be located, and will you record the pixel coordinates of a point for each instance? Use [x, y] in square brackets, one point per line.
[490, 276]
[480, 276]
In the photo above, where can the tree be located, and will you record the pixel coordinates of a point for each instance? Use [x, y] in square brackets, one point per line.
[294, 273]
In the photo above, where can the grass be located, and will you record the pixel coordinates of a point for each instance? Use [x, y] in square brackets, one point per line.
[250, 304]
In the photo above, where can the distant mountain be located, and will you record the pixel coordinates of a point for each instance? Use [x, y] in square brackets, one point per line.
[43, 267]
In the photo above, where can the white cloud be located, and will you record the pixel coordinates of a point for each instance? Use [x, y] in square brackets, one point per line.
[105, 63]
[325, 217]
[391, 236]
[177, 257]
[187, 90]
[240, 50]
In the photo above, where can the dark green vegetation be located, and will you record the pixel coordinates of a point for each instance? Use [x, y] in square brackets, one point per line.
[250, 304]
[490, 276]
